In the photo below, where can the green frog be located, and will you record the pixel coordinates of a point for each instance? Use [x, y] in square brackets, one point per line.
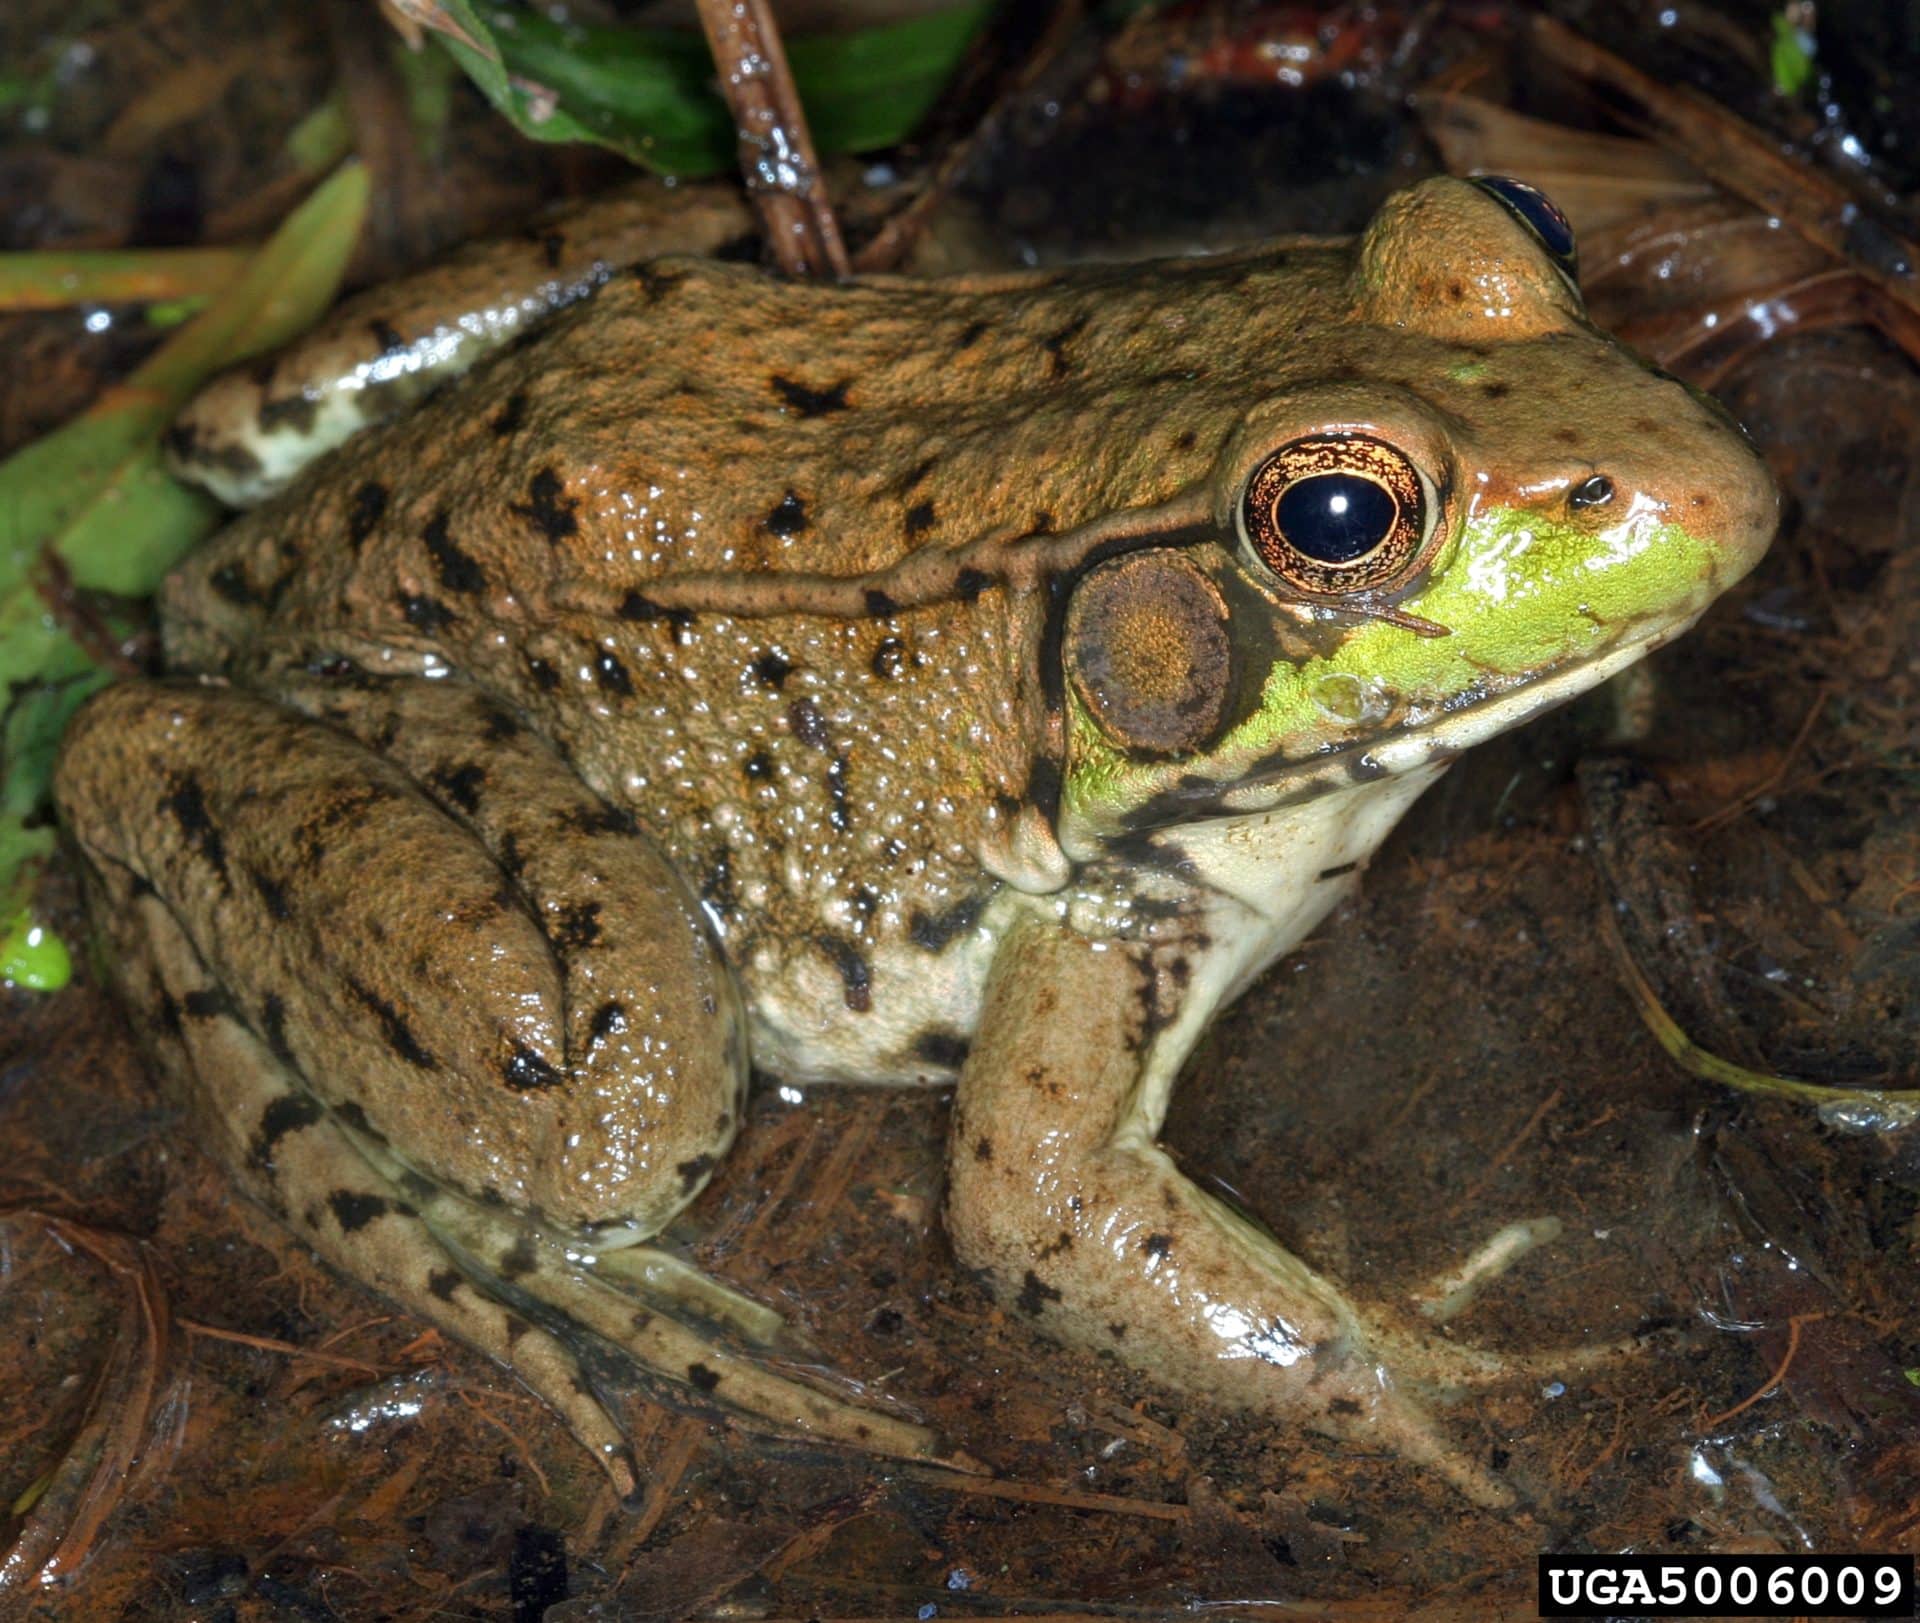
[967, 682]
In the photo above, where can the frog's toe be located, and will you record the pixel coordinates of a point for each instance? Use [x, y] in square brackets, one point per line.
[548, 1273]
[659, 1275]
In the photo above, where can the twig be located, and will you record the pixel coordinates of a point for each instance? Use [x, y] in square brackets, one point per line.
[1715, 1422]
[1028, 1493]
[86, 1485]
[895, 239]
[1743, 160]
[267, 1344]
[514, 1437]
[1773, 779]
[1506, 1151]
[776, 151]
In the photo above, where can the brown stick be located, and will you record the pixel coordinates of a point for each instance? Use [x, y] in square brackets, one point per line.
[1742, 159]
[776, 151]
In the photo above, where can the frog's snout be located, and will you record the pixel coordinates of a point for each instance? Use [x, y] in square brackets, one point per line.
[1704, 476]
[1729, 501]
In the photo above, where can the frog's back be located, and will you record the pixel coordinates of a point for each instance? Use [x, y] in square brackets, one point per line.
[702, 417]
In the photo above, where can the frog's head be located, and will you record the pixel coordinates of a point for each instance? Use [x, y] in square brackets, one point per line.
[1465, 506]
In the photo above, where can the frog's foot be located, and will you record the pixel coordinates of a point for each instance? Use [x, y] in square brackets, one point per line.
[423, 1006]
[559, 1279]
[1085, 1227]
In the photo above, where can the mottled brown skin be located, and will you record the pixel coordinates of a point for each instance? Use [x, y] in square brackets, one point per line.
[702, 679]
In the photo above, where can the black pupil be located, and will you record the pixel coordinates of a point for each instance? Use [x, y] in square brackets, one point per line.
[1335, 518]
[1537, 209]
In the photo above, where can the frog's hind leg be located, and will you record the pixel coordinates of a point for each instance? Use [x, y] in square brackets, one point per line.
[481, 963]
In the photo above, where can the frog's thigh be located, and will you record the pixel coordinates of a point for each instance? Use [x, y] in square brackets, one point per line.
[501, 983]
[1083, 1225]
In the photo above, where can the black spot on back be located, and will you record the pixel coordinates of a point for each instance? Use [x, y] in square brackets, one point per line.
[1055, 344]
[459, 570]
[425, 613]
[691, 1172]
[609, 1018]
[808, 401]
[970, 583]
[365, 508]
[548, 507]
[879, 605]
[610, 675]
[771, 670]
[919, 519]
[889, 658]
[509, 417]
[702, 1377]
[789, 516]
[526, 1071]
[293, 411]
[544, 675]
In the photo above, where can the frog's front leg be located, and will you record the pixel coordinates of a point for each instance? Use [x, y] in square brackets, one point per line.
[1083, 1225]
[445, 1010]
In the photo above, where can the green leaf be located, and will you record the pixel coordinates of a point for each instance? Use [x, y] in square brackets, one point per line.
[649, 93]
[55, 280]
[30, 954]
[87, 488]
[1791, 56]
[96, 493]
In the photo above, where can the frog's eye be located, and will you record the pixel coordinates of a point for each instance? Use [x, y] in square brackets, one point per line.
[1541, 216]
[1337, 514]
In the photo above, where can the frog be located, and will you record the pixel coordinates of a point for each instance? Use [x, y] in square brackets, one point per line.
[972, 682]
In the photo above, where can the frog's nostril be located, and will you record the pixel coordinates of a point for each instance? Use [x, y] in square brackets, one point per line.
[1594, 492]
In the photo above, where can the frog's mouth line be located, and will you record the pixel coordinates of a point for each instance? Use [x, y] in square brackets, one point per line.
[1277, 783]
